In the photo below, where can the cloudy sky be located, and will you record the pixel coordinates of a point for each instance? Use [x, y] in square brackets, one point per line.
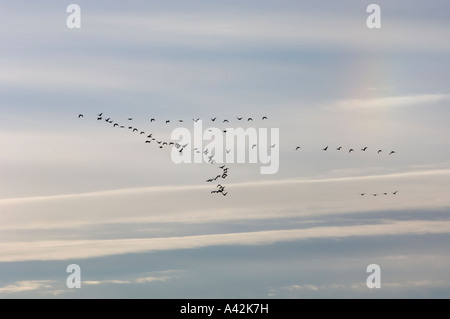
[80, 191]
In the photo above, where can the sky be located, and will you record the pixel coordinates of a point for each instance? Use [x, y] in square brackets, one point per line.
[80, 191]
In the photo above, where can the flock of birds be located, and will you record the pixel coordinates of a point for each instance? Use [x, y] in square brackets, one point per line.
[219, 188]
[376, 194]
[350, 150]
[161, 143]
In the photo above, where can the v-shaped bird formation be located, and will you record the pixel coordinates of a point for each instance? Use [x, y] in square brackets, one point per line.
[220, 189]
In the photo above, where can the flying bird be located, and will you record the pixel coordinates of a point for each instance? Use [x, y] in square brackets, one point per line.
[167, 121]
[239, 118]
[339, 148]
[152, 120]
[80, 115]
[379, 151]
[362, 194]
[135, 130]
[392, 152]
[272, 146]
[213, 119]
[351, 150]
[264, 117]
[129, 119]
[297, 148]
[324, 149]
[115, 124]
[395, 193]
[249, 119]
[225, 121]
[195, 120]
[364, 149]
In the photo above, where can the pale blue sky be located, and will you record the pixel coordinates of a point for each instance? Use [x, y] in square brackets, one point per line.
[79, 191]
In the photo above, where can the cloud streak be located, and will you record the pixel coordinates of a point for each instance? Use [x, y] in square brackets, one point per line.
[387, 102]
[79, 249]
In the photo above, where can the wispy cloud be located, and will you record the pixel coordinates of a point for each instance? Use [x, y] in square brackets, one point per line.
[78, 249]
[387, 102]
[26, 286]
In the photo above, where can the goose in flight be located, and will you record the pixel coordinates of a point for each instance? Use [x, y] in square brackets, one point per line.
[135, 130]
[264, 117]
[80, 115]
[324, 149]
[249, 119]
[152, 120]
[339, 148]
[392, 152]
[351, 150]
[195, 120]
[364, 149]
[225, 121]
[379, 151]
[115, 124]
[239, 118]
[213, 119]
[297, 148]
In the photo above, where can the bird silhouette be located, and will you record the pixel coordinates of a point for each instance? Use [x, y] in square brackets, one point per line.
[195, 120]
[339, 148]
[264, 117]
[80, 115]
[249, 119]
[225, 121]
[180, 121]
[167, 121]
[324, 149]
[351, 150]
[152, 120]
[135, 130]
[392, 152]
[115, 124]
[379, 151]
[364, 149]
[395, 193]
[297, 148]
[147, 141]
[239, 118]
[273, 146]
[362, 194]
[129, 119]
[99, 118]
[375, 194]
[213, 119]
[254, 145]
[142, 133]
